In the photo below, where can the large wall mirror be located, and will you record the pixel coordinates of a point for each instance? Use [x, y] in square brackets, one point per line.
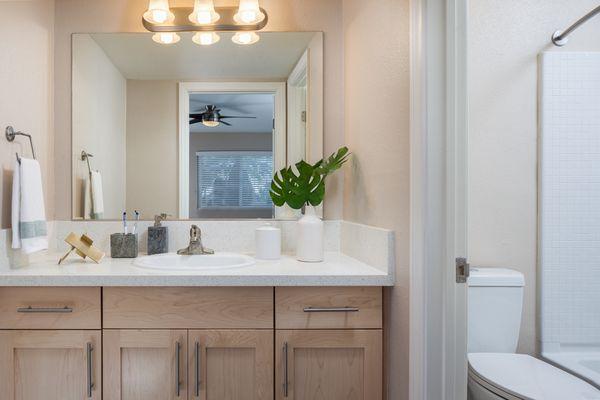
[188, 130]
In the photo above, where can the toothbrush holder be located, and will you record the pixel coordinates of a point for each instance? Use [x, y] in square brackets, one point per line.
[124, 245]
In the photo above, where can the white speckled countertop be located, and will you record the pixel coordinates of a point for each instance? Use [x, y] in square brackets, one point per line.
[337, 270]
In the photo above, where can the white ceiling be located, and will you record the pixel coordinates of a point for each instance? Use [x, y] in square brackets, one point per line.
[138, 57]
[259, 105]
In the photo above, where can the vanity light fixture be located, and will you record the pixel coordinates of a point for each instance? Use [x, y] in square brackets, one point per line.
[205, 38]
[248, 13]
[204, 13]
[166, 37]
[205, 19]
[245, 38]
[159, 12]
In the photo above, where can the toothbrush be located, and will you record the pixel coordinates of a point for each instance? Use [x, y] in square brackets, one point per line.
[125, 222]
[137, 218]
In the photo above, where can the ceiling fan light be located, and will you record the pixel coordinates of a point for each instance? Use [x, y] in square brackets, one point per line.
[245, 38]
[205, 38]
[166, 37]
[209, 123]
[248, 13]
[159, 12]
[204, 13]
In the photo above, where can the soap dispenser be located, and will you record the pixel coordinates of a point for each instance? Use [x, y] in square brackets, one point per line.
[158, 236]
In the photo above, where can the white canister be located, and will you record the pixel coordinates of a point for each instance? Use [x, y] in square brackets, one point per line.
[267, 239]
[310, 247]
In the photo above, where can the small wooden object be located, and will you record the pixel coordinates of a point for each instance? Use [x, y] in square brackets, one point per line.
[83, 247]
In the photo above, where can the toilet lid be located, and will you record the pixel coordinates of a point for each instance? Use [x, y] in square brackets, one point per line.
[528, 378]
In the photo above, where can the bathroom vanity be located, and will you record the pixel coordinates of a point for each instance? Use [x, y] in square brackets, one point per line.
[177, 335]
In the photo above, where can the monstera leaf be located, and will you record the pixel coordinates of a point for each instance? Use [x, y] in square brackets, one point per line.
[297, 189]
[305, 184]
[333, 162]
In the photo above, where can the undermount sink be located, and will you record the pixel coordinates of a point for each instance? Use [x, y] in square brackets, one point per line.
[172, 261]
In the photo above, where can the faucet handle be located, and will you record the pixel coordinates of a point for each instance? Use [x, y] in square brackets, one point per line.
[195, 233]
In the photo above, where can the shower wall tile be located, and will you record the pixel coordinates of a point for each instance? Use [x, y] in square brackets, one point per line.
[569, 198]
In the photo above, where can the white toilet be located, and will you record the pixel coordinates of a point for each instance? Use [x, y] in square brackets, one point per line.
[495, 371]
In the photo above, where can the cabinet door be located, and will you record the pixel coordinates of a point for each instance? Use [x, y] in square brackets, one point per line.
[145, 364]
[50, 365]
[231, 364]
[329, 365]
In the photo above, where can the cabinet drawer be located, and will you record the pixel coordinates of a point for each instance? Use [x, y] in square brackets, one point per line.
[328, 307]
[49, 308]
[188, 307]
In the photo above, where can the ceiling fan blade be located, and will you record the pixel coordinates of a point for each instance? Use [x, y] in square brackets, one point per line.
[234, 116]
[195, 121]
[200, 115]
[225, 123]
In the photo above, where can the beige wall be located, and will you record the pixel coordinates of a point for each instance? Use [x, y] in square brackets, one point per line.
[99, 100]
[152, 138]
[122, 16]
[504, 41]
[26, 79]
[376, 187]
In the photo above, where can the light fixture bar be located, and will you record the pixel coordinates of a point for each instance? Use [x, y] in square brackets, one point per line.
[181, 23]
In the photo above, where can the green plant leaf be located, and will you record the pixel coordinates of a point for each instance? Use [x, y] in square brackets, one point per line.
[304, 183]
[332, 163]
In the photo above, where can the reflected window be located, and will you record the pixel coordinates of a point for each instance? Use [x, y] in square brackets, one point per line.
[234, 180]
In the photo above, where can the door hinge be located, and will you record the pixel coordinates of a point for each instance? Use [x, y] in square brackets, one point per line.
[303, 116]
[462, 270]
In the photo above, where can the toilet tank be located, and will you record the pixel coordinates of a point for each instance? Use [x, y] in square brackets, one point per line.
[495, 302]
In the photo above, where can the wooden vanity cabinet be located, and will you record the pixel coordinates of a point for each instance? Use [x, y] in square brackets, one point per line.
[328, 365]
[230, 364]
[50, 365]
[145, 364]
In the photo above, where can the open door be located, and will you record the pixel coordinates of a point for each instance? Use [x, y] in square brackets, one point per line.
[439, 266]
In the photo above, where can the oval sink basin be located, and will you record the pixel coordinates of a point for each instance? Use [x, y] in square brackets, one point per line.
[172, 261]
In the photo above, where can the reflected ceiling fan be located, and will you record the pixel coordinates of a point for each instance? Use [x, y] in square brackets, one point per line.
[211, 117]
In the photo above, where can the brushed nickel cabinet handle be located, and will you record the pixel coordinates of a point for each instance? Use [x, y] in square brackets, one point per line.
[30, 309]
[90, 379]
[331, 309]
[177, 377]
[197, 368]
[285, 370]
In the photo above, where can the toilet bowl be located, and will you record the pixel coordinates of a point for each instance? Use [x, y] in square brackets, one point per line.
[496, 372]
[495, 376]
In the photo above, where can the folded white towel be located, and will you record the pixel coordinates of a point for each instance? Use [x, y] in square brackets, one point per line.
[29, 231]
[93, 197]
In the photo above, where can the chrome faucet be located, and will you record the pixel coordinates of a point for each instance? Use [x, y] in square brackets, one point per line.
[195, 247]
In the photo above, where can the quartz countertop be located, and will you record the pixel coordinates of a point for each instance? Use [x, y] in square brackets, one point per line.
[336, 270]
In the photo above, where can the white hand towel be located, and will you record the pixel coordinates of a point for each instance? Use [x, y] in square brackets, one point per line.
[28, 213]
[93, 197]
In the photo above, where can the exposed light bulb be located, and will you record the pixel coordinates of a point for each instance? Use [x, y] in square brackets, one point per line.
[248, 13]
[205, 38]
[204, 13]
[244, 38]
[166, 37]
[158, 12]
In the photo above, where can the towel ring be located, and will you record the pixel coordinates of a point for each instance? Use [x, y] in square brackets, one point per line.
[10, 136]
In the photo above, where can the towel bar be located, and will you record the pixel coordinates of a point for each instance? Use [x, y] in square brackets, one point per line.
[10, 136]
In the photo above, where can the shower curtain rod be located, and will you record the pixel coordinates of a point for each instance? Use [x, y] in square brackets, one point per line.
[559, 38]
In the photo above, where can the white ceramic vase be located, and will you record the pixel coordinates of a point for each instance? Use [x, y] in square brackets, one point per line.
[309, 246]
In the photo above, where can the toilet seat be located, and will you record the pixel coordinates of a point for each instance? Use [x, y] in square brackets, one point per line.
[522, 377]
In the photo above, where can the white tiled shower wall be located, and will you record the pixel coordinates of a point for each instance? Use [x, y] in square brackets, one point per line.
[570, 199]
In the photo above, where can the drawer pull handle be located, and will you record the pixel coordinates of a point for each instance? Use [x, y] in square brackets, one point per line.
[197, 368]
[30, 309]
[331, 309]
[177, 361]
[90, 381]
[285, 370]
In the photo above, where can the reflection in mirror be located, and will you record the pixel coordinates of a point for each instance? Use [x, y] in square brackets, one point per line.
[191, 131]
